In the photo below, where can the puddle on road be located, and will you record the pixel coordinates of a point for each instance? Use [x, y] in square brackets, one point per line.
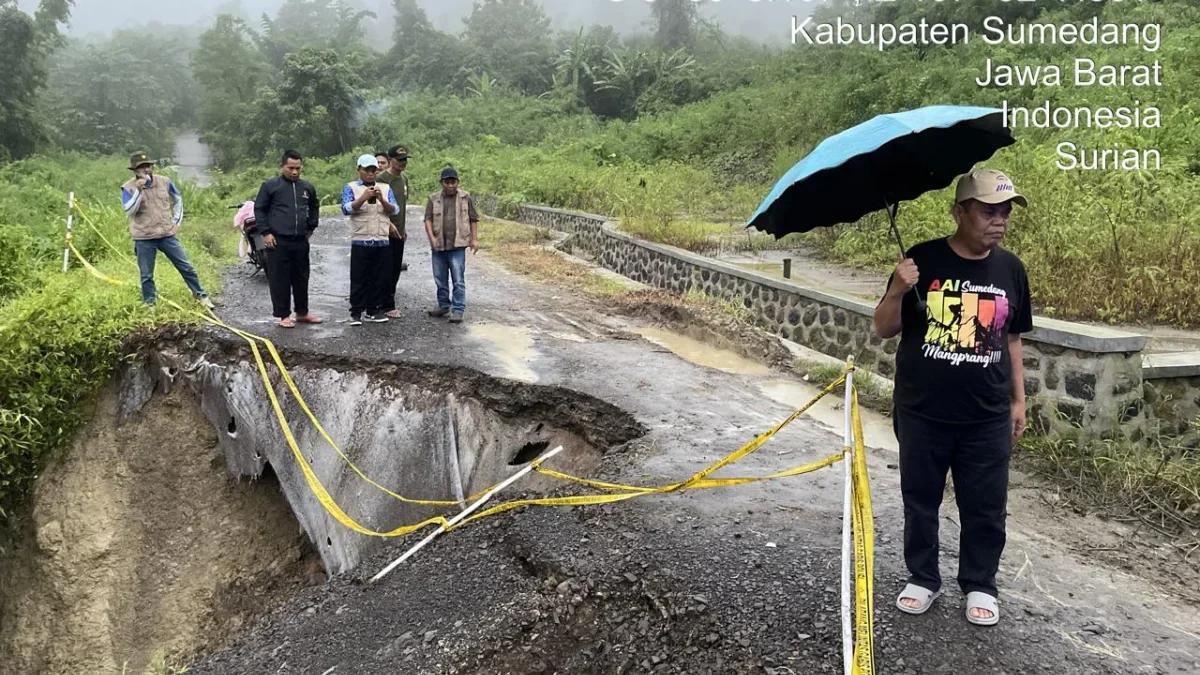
[877, 429]
[512, 346]
[703, 354]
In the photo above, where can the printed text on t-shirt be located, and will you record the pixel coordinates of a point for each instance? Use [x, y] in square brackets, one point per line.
[965, 322]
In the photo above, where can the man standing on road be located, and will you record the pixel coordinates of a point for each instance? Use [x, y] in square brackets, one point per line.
[287, 211]
[959, 400]
[371, 206]
[452, 225]
[394, 176]
[155, 210]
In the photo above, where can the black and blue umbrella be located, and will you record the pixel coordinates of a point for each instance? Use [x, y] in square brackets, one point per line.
[880, 163]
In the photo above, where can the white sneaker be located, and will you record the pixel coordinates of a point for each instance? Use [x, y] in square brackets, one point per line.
[207, 303]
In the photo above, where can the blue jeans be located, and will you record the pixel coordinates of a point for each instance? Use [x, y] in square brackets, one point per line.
[452, 264]
[147, 251]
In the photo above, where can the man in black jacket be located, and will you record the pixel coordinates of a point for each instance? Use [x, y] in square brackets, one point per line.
[287, 211]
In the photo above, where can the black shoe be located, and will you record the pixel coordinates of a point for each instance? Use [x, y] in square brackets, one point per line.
[375, 318]
[439, 312]
[355, 320]
[403, 267]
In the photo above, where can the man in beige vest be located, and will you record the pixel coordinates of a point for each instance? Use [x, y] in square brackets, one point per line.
[452, 226]
[370, 206]
[155, 209]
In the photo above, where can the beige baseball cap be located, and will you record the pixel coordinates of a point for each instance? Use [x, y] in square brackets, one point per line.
[988, 186]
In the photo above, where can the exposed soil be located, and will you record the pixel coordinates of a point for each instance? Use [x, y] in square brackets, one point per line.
[139, 542]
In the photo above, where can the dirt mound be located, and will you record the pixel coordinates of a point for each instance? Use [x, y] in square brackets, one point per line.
[139, 542]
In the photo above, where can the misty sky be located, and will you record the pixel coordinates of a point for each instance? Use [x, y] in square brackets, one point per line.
[766, 20]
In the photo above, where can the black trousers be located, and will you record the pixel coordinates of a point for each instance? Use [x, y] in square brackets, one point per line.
[370, 274]
[287, 273]
[397, 247]
[977, 457]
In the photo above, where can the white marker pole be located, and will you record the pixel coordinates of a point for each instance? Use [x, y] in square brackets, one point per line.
[70, 217]
[847, 548]
[455, 469]
[469, 510]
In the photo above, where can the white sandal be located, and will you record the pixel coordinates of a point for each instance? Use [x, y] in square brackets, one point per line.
[981, 600]
[922, 595]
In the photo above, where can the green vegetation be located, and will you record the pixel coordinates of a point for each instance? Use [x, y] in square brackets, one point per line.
[871, 393]
[1157, 486]
[678, 132]
[681, 133]
[60, 334]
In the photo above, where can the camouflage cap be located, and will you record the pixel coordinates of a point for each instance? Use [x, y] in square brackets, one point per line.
[139, 158]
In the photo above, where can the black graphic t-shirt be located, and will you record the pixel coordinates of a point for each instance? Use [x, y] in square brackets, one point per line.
[953, 364]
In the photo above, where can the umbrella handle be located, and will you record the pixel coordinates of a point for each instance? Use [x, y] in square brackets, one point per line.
[891, 211]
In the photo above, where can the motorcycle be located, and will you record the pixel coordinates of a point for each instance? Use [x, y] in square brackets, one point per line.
[251, 248]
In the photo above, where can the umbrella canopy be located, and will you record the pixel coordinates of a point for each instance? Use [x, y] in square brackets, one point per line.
[879, 163]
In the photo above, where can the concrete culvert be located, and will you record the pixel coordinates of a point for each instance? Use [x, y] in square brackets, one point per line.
[145, 538]
[529, 452]
[424, 432]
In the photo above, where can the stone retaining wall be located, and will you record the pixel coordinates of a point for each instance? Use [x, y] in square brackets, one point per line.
[1172, 394]
[1075, 375]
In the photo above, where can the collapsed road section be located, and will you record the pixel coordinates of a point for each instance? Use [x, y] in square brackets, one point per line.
[193, 497]
[420, 432]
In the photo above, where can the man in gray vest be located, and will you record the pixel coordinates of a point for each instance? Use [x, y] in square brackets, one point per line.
[452, 226]
[370, 205]
[155, 209]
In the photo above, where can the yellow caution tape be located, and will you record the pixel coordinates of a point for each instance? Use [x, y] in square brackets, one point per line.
[697, 481]
[732, 457]
[86, 219]
[587, 500]
[863, 526]
[94, 272]
[862, 518]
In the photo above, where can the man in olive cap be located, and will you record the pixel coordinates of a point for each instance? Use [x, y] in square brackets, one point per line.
[959, 399]
[393, 175]
[452, 226]
[155, 210]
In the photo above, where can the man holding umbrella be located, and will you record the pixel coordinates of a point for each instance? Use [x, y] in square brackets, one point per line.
[959, 388]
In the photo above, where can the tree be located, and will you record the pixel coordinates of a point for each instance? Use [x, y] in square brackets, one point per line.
[112, 98]
[511, 40]
[675, 23]
[630, 80]
[25, 42]
[312, 110]
[421, 55]
[230, 71]
[326, 24]
[584, 51]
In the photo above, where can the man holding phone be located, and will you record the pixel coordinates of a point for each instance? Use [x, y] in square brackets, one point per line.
[371, 206]
[155, 210]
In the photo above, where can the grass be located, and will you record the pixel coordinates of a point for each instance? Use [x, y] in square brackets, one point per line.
[872, 394]
[61, 334]
[520, 248]
[1155, 483]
